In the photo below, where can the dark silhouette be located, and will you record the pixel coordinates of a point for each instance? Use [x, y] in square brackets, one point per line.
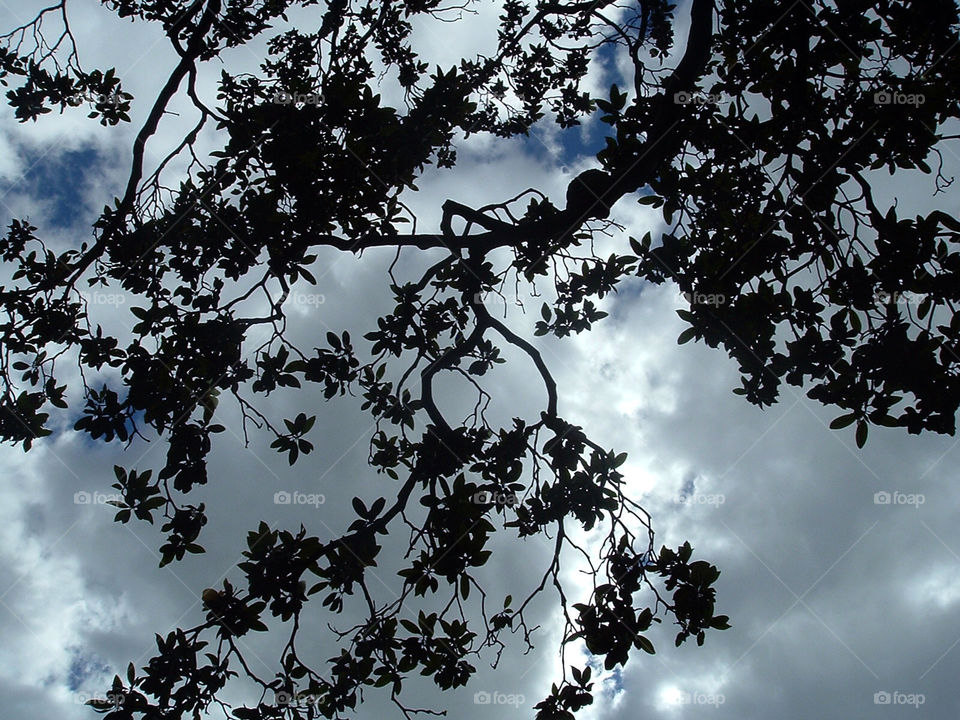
[760, 139]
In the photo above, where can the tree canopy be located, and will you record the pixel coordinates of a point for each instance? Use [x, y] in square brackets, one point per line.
[763, 133]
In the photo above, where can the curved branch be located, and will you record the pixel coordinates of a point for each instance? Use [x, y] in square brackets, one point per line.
[184, 67]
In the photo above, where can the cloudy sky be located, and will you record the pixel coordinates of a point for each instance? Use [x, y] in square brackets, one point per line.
[838, 600]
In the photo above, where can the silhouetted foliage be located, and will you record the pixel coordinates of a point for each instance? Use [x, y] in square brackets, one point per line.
[759, 133]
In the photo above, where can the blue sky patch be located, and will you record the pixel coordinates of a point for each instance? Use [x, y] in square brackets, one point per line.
[57, 177]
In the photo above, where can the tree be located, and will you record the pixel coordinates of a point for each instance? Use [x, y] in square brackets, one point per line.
[760, 133]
